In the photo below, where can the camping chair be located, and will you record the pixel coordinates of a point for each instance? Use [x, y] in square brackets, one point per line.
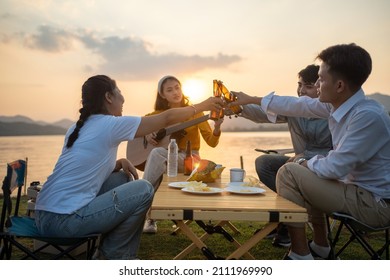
[15, 228]
[358, 230]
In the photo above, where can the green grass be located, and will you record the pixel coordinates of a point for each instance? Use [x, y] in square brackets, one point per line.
[165, 245]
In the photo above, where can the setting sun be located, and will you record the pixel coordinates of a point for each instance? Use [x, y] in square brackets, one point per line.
[196, 90]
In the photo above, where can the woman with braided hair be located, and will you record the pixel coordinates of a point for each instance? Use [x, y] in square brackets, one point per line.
[90, 191]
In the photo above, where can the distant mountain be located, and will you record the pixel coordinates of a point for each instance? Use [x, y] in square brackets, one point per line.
[381, 98]
[22, 125]
[64, 123]
[17, 118]
[22, 129]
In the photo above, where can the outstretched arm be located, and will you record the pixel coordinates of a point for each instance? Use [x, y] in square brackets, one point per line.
[244, 99]
[155, 122]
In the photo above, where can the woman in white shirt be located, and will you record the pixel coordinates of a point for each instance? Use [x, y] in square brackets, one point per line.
[89, 190]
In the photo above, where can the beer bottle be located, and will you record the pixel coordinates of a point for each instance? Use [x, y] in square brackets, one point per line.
[188, 160]
[216, 114]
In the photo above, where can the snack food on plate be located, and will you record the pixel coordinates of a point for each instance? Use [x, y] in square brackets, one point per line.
[207, 171]
[251, 181]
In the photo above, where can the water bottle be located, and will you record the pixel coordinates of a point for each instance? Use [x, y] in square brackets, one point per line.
[172, 158]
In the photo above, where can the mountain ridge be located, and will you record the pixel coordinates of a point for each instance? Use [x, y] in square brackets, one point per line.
[20, 125]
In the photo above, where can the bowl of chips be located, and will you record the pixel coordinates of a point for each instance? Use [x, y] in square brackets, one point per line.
[206, 171]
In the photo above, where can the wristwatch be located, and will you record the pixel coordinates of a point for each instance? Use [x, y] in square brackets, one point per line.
[299, 160]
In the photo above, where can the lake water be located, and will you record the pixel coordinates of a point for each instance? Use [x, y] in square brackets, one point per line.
[43, 151]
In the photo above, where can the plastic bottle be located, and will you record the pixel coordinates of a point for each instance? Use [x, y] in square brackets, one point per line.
[172, 159]
[188, 160]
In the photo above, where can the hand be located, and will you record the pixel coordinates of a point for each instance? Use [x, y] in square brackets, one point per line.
[151, 139]
[218, 123]
[292, 159]
[127, 167]
[244, 99]
[211, 103]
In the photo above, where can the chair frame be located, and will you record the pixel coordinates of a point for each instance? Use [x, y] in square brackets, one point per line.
[9, 239]
[357, 230]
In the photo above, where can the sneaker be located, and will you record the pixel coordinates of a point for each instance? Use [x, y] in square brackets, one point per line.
[318, 257]
[281, 241]
[150, 226]
[282, 238]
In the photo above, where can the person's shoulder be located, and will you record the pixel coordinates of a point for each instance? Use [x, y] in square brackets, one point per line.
[369, 105]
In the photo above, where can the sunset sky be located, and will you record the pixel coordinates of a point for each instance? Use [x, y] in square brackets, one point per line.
[48, 48]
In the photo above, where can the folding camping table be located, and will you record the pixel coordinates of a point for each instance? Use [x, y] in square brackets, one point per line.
[224, 208]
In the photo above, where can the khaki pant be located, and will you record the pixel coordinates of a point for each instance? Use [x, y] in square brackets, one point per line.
[324, 196]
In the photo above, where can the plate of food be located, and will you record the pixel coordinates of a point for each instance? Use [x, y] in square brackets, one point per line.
[202, 190]
[240, 188]
[180, 185]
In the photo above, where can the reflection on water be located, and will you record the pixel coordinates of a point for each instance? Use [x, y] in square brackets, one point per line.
[43, 151]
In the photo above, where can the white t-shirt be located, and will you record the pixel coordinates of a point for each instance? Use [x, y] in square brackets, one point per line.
[82, 169]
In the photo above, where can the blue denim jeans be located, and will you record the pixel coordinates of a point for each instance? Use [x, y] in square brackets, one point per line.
[267, 166]
[118, 213]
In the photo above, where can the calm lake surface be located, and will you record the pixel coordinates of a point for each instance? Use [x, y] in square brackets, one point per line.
[43, 151]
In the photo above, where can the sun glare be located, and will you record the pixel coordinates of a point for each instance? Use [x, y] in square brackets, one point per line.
[195, 90]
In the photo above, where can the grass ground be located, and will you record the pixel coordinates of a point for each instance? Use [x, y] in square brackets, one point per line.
[164, 245]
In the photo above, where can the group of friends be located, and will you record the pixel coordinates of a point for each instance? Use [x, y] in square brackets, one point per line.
[341, 141]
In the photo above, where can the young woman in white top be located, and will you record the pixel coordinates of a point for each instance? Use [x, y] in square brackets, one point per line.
[90, 191]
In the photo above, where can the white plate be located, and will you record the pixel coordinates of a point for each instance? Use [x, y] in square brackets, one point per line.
[239, 189]
[193, 190]
[242, 184]
[236, 184]
[180, 185]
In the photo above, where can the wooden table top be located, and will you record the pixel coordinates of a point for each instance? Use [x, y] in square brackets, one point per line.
[173, 203]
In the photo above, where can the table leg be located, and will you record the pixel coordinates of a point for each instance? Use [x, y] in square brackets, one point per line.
[200, 244]
[190, 248]
[244, 248]
[196, 241]
[174, 232]
[232, 227]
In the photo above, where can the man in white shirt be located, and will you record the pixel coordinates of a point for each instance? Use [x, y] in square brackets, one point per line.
[354, 177]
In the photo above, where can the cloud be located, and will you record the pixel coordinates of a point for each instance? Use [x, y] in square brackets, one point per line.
[130, 58]
[49, 39]
[126, 58]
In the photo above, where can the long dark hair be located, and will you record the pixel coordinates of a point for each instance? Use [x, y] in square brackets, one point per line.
[161, 104]
[92, 99]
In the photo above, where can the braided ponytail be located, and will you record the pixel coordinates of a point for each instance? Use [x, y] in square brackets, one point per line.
[84, 114]
[93, 96]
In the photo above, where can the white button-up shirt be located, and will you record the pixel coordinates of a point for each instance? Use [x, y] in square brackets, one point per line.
[360, 130]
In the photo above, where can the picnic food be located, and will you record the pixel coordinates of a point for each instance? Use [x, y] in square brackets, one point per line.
[251, 182]
[206, 171]
[199, 188]
[195, 184]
